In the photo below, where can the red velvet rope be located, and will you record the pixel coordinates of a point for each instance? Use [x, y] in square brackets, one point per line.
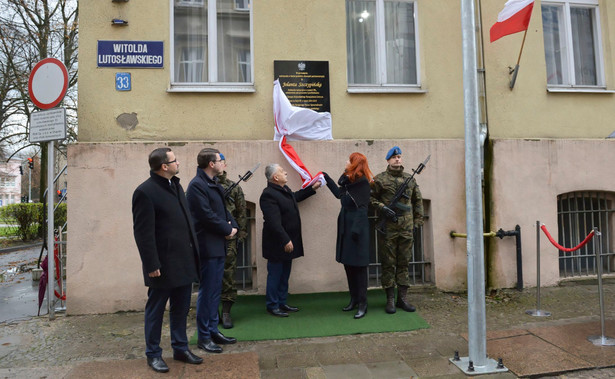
[560, 247]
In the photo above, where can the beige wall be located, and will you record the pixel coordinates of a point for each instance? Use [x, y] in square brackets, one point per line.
[529, 111]
[528, 172]
[103, 259]
[530, 176]
[283, 30]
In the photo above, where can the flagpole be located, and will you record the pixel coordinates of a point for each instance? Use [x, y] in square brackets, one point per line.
[515, 71]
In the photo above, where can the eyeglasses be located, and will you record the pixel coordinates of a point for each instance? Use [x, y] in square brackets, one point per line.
[173, 161]
[218, 160]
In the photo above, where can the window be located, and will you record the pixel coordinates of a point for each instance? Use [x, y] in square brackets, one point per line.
[577, 214]
[571, 32]
[382, 43]
[211, 45]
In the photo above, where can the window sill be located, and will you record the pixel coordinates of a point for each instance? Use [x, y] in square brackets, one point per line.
[381, 89]
[215, 88]
[579, 90]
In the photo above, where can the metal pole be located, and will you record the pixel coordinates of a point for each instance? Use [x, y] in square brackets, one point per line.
[477, 362]
[50, 237]
[29, 184]
[601, 340]
[538, 312]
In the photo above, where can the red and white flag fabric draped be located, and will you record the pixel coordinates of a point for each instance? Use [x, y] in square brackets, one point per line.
[514, 18]
[298, 124]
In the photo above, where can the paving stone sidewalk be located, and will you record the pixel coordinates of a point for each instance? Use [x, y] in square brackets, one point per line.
[96, 345]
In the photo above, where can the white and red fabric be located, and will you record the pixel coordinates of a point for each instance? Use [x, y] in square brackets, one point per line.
[514, 18]
[298, 124]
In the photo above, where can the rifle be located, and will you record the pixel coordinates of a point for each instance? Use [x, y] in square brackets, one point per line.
[245, 177]
[401, 192]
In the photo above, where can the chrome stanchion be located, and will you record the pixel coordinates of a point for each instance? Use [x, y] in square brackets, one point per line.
[600, 340]
[538, 312]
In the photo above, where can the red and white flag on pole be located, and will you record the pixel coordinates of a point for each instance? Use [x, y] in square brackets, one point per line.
[298, 123]
[514, 18]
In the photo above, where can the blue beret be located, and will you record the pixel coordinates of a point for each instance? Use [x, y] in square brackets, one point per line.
[395, 150]
[222, 157]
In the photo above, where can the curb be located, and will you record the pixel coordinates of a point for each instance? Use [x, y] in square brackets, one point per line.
[20, 247]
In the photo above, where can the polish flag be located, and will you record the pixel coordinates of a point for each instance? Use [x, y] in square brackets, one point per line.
[514, 18]
[298, 123]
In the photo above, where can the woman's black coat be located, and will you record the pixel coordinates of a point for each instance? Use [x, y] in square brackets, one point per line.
[164, 233]
[282, 221]
[352, 247]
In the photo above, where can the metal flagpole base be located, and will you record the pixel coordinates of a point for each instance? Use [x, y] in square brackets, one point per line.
[490, 367]
[538, 313]
[601, 340]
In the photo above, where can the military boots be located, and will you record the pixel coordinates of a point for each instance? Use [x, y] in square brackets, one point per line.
[227, 322]
[390, 307]
[402, 292]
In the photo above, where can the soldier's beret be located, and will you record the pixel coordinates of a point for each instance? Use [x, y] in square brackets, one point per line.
[395, 150]
[222, 157]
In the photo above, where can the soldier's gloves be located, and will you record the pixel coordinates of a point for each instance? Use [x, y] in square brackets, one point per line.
[389, 213]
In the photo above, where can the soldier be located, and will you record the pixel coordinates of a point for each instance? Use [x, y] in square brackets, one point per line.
[395, 246]
[236, 204]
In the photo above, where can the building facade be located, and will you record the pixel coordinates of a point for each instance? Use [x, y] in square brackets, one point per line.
[395, 78]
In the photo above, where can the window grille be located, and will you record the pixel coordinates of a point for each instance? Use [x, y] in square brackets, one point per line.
[577, 213]
[418, 267]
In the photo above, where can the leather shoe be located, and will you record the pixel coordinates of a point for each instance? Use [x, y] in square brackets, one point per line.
[157, 364]
[288, 308]
[187, 356]
[221, 339]
[361, 311]
[209, 346]
[352, 305]
[277, 312]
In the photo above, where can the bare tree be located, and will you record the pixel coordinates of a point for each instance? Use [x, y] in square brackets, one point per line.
[32, 30]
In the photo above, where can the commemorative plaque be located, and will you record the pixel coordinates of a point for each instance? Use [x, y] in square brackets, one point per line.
[305, 83]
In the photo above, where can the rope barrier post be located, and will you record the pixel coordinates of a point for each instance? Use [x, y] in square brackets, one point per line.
[600, 340]
[538, 312]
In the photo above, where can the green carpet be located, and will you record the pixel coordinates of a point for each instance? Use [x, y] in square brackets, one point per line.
[320, 315]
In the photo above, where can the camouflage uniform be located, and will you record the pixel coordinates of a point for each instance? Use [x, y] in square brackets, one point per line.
[236, 205]
[395, 247]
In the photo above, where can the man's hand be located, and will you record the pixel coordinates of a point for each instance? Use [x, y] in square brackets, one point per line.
[154, 274]
[316, 185]
[389, 213]
[289, 247]
[233, 232]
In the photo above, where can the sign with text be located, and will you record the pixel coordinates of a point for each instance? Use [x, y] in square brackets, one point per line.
[48, 125]
[122, 81]
[305, 83]
[135, 54]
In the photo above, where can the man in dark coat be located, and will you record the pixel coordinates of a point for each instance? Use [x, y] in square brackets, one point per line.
[214, 226]
[166, 242]
[281, 235]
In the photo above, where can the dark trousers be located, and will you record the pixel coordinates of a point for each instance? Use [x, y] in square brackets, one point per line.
[278, 273]
[179, 305]
[357, 282]
[212, 270]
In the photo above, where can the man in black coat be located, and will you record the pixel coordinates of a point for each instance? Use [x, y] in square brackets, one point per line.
[214, 226]
[166, 242]
[281, 235]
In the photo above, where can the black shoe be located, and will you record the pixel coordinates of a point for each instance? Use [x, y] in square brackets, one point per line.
[288, 308]
[362, 310]
[187, 356]
[277, 312]
[157, 364]
[220, 339]
[209, 346]
[352, 305]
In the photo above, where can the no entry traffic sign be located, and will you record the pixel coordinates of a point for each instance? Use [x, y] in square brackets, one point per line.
[48, 83]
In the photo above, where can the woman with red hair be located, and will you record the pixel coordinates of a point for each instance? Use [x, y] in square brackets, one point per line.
[352, 248]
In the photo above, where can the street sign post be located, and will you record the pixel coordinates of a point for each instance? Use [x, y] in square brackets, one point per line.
[47, 87]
